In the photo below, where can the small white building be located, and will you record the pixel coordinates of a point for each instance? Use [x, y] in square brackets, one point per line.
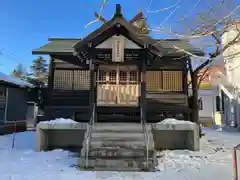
[208, 105]
[209, 100]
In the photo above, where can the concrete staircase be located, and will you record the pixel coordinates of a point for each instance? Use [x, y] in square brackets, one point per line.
[118, 147]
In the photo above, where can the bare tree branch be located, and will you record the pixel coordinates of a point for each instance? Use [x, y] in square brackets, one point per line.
[194, 7]
[203, 75]
[162, 9]
[170, 15]
[100, 14]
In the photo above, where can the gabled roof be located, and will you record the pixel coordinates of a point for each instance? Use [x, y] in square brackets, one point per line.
[65, 46]
[127, 29]
[14, 81]
[57, 45]
[167, 47]
[133, 32]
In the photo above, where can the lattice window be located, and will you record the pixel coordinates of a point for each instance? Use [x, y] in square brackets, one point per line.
[63, 79]
[154, 81]
[81, 80]
[102, 77]
[112, 76]
[133, 77]
[123, 77]
[172, 81]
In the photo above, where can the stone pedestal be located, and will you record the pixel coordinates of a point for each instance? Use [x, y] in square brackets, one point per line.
[175, 134]
[60, 136]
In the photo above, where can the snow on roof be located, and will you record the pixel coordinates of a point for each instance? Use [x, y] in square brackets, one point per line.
[14, 80]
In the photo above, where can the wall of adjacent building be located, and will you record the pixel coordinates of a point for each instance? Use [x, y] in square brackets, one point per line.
[208, 108]
[206, 114]
[17, 106]
[232, 56]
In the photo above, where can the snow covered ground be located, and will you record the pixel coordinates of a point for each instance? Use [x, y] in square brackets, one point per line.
[214, 161]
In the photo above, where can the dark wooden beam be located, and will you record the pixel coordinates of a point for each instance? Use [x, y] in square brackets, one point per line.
[68, 61]
[143, 82]
[50, 81]
[185, 78]
[92, 82]
[93, 86]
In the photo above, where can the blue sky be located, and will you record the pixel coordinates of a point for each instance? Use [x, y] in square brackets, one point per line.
[27, 24]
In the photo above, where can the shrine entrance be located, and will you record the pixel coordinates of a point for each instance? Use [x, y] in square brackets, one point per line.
[118, 85]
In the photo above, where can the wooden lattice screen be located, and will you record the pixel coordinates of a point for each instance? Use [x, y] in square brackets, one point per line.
[63, 79]
[172, 81]
[154, 81]
[157, 81]
[71, 80]
[81, 80]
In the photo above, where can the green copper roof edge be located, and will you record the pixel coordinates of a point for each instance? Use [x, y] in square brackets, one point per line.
[36, 52]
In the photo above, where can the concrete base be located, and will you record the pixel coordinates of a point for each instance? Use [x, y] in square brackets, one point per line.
[231, 129]
[12, 126]
[176, 135]
[63, 136]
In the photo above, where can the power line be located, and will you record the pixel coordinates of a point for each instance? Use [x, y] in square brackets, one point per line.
[8, 55]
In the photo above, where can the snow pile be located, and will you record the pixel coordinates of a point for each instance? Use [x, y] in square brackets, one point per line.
[14, 80]
[175, 121]
[59, 121]
[214, 161]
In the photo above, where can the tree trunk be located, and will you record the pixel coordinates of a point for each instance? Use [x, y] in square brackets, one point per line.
[194, 103]
[195, 117]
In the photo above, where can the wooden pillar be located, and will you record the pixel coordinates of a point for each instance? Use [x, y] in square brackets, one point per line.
[92, 95]
[185, 78]
[92, 82]
[92, 69]
[143, 85]
[50, 82]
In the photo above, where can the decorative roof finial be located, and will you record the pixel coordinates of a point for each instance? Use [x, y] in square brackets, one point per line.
[118, 12]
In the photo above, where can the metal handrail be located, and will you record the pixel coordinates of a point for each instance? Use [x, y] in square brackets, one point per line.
[89, 133]
[146, 137]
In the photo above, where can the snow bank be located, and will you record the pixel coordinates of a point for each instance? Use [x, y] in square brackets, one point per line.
[59, 121]
[214, 161]
[175, 121]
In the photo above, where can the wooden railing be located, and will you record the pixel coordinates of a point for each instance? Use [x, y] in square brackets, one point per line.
[235, 162]
[146, 137]
[89, 134]
[112, 94]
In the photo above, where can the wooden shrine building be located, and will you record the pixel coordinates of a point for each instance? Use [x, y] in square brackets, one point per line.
[118, 73]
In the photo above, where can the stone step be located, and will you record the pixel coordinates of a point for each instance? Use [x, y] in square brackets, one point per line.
[114, 169]
[115, 152]
[118, 147]
[118, 164]
[119, 136]
[120, 127]
[120, 143]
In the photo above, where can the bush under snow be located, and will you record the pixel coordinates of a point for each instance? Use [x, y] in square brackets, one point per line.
[59, 121]
[174, 121]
